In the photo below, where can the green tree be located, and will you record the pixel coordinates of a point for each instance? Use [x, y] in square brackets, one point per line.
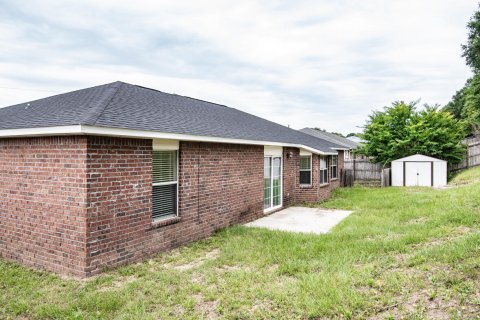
[400, 130]
[465, 104]
[353, 134]
[338, 134]
[457, 104]
[471, 50]
[471, 109]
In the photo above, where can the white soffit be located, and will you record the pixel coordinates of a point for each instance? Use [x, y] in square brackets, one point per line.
[165, 144]
[273, 151]
[305, 152]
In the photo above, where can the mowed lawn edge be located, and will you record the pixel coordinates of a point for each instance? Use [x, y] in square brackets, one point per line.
[404, 253]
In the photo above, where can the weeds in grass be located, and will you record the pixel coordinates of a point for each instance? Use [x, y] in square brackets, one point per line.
[403, 253]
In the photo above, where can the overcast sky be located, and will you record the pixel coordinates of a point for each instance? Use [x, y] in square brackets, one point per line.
[324, 64]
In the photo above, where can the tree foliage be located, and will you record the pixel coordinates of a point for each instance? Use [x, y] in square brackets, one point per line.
[471, 50]
[353, 134]
[457, 105]
[400, 130]
[465, 104]
[338, 134]
[471, 108]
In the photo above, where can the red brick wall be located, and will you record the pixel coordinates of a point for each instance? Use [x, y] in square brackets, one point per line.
[42, 202]
[81, 204]
[293, 192]
[309, 193]
[291, 166]
[324, 192]
[220, 185]
[119, 200]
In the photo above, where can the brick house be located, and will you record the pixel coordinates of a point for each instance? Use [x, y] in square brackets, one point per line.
[112, 174]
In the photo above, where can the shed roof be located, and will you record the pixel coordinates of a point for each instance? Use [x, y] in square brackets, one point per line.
[418, 157]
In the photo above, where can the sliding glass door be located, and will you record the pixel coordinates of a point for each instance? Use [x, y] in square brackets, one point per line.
[272, 183]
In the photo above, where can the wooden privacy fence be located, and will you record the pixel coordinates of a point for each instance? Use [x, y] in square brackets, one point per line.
[363, 172]
[472, 155]
[346, 178]
[349, 177]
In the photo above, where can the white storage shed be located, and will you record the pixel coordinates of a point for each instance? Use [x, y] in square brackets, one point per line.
[419, 170]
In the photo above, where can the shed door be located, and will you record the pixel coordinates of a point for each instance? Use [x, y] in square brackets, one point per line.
[418, 174]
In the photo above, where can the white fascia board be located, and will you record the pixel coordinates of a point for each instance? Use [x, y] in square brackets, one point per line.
[46, 131]
[313, 150]
[344, 149]
[186, 137]
[131, 133]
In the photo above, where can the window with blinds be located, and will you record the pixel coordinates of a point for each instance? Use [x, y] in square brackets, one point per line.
[334, 167]
[165, 184]
[305, 169]
[323, 170]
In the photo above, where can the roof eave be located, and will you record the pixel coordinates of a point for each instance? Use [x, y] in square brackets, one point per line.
[340, 148]
[132, 133]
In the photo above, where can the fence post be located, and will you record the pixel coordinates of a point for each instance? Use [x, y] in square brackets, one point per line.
[385, 177]
[354, 169]
[346, 178]
[382, 179]
[468, 158]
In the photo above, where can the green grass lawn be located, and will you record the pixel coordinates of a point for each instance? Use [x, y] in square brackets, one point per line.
[404, 253]
[466, 177]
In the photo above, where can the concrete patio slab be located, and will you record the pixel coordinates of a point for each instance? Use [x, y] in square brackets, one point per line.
[301, 219]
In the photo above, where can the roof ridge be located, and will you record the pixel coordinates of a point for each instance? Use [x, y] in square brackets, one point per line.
[188, 97]
[215, 103]
[92, 116]
[55, 96]
[297, 132]
[319, 134]
[156, 111]
[334, 137]
[316, 133]
[342, 140]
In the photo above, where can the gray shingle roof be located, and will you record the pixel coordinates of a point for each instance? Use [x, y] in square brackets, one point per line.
[344, 142]
[126, 106]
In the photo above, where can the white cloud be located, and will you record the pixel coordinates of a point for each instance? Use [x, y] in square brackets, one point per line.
[304, 63]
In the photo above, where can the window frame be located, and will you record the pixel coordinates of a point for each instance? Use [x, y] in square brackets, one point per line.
[332, 165]
[173, 182]
[305, 170]
[322, 170]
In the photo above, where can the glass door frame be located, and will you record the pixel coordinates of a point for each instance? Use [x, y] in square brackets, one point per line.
[271, 207]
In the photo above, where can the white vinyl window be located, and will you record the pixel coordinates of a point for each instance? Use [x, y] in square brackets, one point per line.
[306, 170]
[323, 170]
[165, 184]
[333, 166]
